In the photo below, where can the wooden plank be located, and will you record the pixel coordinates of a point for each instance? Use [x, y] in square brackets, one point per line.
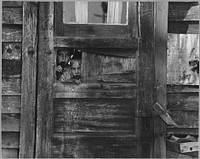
[93, 147]
[185, 119]
[11, 68]
[96, 42]
[11, 33]
[185, 102]
[11, 86]
[171, 154]
[12, 3]
[29, 67]
[10, 153]
[88, 115]
[10, 122]
[183, 131]
[10, 140]
[11, 51]
[183, 11]
[189, 147]
[187, 89]
[95, 90]
[12, 15]
[145, 79]
[45, 80]
[11, 104]
[161, 22]
[185, 27]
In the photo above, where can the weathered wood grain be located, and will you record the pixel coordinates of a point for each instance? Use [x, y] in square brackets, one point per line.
[11, 104]
[28, 92]
[96, 42]
[11, 51]
[183, 131]
[45, 79]
[12, 3]
[184, 27]
[11, 86]
[10, 140]
[185, 119]
[183, 11]
[193, 89]
[90, 115]
[186, 102]
[95, 90]
[10, 153]
[93, 147]
[171, 154]
[11, 33]
[11, 68]
[12, 15]
[10, 122]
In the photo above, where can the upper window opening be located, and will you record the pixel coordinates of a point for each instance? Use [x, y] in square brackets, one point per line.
[84, 12]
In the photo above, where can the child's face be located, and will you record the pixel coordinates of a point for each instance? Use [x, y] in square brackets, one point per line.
[76, 68]
[63, 56]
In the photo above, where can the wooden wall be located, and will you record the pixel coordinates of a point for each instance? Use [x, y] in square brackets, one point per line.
[11, 77]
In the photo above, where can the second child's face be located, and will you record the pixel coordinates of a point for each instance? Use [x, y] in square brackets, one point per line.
[63, 56]
[76, 68]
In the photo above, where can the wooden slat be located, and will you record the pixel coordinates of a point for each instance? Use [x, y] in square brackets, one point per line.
[11, 104]
[10, 140]
[183, 11]
[171, 154]
[11, 33]
[10, 153]
[11, 86]
[192, 89]
[189, 147]
[185, 119]
[45, 80]
[12, 15]
[96, 42]
[187, 102]
[90, 115]
[29, 67]
[12, 3]
[11, 51]
[11, 68]
[191, 27]
[183, 131]
[94, 90]
[93, 147]
[10, 122]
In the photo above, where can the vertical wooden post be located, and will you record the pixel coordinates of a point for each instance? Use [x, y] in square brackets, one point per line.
[45, 80]
[161, 24]
[28, 85]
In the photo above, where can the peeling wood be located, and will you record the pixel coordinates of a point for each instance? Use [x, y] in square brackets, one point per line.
[10, 140]
[11, 104]
[12, 15]
[10, 122]
[11, 33]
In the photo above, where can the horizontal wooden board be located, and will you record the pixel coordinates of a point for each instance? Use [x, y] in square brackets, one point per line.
[94, 42]
[11, 51]
[10, 122]
[93, 147]
[194, 89]
[11, 33]
[11, 86]
[10, 153]
[11, 104]
[185, 119]
[189, 102]
[11, 68]
[10, 140]
[95, 90]
[12, 3]
[183, 11]
[184, 27]
[88, 115]
[12, 15]
[183, 131]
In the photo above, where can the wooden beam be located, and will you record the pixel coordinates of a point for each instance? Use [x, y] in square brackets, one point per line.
[28, 85]
[46, 58]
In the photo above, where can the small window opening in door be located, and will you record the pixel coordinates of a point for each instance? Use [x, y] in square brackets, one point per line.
[68, 66]
[84, 12]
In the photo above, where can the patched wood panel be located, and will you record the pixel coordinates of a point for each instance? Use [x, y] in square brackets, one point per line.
[10, 140]
[11, 104]
[185, 119]
[11, 51]
[11, 33]
[12, 15]
[182, 48]
[11, 86]
[12, 3]
[94, 115]
[10, 122]
[10, 153]
[93, 147]
[108, 69]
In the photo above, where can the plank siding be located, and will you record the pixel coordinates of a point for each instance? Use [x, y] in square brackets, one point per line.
[10, 122]
[11, 86]
[10, 153]
[10, 140]
[11, 104]
[12, 4]
[11, 51]
[11, 33]
[12, 15]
